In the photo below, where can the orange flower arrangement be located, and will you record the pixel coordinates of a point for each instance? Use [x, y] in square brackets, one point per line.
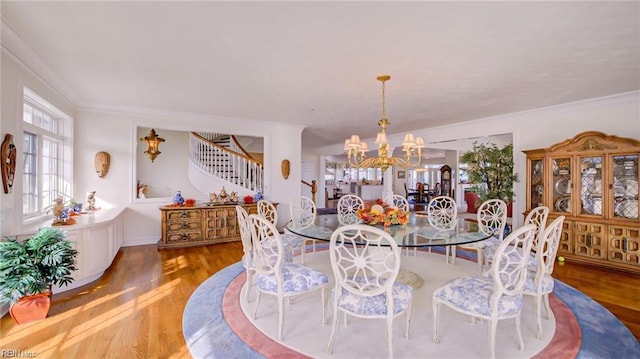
[378, 212]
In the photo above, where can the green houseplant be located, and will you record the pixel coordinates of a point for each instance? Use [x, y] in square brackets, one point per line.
[29, 269]
[490, 169]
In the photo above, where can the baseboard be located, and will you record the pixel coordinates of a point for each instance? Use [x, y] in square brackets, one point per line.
[140, 241]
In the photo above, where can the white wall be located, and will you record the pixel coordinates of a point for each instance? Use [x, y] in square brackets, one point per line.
[14, 78]
[142, 218]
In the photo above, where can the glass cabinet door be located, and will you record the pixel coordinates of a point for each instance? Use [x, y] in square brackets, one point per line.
[561, 185]
[591, 185]
[537, 183]
[625, 186]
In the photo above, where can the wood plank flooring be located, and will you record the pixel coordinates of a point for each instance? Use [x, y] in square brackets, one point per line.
[135, 309]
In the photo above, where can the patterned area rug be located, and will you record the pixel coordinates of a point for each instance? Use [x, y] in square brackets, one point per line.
[215, 326]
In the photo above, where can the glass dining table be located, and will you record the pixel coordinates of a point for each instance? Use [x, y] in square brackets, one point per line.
[416, 233]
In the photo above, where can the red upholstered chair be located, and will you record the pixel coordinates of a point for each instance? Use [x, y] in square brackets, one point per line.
[470, 198]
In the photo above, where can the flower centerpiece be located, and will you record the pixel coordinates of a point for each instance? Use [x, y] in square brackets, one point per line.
[378, 212]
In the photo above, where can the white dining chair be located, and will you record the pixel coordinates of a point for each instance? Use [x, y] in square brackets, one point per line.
[442, 214]
[492, 219]
[348, 205]
[247, 248]
[539, 283]
[365, 279]
[275, 276]
[303, 215]
[493, 297]
[538, 217]
[268, 211]
[398, 201]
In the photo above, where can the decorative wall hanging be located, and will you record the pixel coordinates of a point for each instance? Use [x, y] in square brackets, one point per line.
[102, 162]
[153, 142]
[8, 165]
[285, 167]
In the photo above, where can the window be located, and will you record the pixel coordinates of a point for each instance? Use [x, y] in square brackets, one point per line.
[46, 149]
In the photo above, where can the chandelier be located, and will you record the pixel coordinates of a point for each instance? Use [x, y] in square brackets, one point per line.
[356, 150]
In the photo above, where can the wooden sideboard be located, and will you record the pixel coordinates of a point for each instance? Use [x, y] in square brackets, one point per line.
[200, 225]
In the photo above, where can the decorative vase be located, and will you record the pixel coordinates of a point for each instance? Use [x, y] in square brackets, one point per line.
[31, 308]
[178, 199]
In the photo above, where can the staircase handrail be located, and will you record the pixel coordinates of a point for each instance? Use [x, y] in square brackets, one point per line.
[226, 164]
[241, 148]
[222, 148]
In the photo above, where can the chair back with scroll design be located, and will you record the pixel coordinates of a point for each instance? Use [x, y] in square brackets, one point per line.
[366, 261]
[347, 207]
[538, 217]
[442, 213]
[396, 200]
[303, 212]
[267, 210]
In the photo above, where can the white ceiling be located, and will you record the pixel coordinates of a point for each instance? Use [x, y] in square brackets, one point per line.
[316, 63]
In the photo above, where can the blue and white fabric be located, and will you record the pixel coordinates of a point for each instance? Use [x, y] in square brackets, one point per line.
[296, 279]
[473, 294]
[377, 305]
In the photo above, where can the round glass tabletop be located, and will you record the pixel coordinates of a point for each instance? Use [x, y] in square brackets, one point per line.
[416, 233]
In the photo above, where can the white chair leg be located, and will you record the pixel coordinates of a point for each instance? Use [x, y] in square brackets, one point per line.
[436, 318]
[492, 338]
[453, 254]
[249, 284]
[547, 307]
[390, 335]
[334, 329]
[303, 250]
[519, 331]
[480, 257]
[408, 314]
[537, 312]
[280, 316]
[324, 305]
[255, 310]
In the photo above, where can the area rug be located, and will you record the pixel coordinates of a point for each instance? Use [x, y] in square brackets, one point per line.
[215, 325]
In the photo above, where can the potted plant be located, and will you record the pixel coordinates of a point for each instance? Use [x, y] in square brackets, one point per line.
[490, 169]
[29, 269]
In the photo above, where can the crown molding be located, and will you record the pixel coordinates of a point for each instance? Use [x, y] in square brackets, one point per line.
[16, 48]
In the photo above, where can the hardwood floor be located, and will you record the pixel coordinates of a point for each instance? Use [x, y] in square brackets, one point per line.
[135, 309]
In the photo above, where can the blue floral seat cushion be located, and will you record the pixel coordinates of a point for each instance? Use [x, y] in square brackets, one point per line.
[472, 295]
[531, 288]
[296, 279]
[291, 240]
[377, 305]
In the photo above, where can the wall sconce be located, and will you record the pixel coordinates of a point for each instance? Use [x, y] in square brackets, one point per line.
[153, 142]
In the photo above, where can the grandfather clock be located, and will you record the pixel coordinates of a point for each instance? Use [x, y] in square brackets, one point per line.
[445, 181]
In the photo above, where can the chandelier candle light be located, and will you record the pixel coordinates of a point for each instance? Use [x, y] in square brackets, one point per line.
[412, 146]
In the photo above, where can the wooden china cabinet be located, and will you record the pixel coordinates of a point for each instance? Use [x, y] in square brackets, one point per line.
[591, 179]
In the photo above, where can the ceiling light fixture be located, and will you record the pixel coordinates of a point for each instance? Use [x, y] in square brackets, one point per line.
[412, 146]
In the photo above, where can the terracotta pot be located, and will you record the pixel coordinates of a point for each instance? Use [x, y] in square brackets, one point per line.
[30, 308]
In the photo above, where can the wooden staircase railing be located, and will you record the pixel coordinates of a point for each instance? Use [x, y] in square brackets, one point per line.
[222, 161]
